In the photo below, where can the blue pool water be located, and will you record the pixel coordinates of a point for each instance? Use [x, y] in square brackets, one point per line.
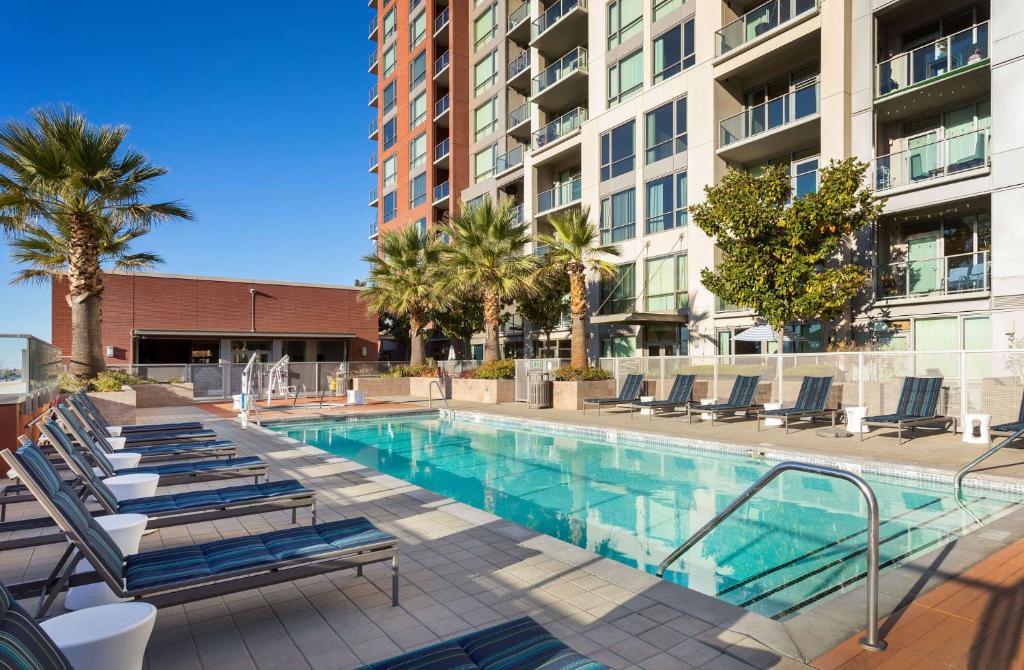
[800, 540]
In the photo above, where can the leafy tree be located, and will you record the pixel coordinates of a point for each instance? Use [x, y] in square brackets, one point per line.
[462, 317]
[486, 255]
[545, 307]
[405, 282]
[780, 257]
[71, 199]
[574, 250]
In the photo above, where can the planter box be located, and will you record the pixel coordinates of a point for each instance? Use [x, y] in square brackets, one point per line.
[162, 395]
[420, 387]
[117, 407]
[484, 390]
[570, 395]
[376, 387]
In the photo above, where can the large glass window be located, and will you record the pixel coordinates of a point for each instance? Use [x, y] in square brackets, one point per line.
[417, 30]
[390, 133]
[665, 283]
[485, 26]
[666, 203]
[421, 226]
[483, 162]
[390, 97]
[418, 69]
[418, 190]
[618, 216]
[663, 8]
[418, 110]
[390, 22]
[390, 171]
[485, 118]
[618, 151]
[389, 60]
[666, 131]
[674, 51]
[418, 151]
[485, 71]
[625, 19]
[626, 77]
[390, 205]
[618, 293]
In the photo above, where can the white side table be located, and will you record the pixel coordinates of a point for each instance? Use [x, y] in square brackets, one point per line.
[105, 637]
[126, 530]
[646, 411]
[355, 398]
[854, 416]
[117, 443]
[773, 421]
[706, 416]
[129, 487]
[121, 461]
[979, 422]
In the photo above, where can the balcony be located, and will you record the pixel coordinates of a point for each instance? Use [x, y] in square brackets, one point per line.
[374, 200]
[560, 27]
[560, 128]
[519, 73]
[563, 82]
[518, 123]
[944, 276]
[373, 62]
[373, 129]
[442, 151]
[519, 214]
[441, 26]
[373, 162]
[442, 194]
[559, 197]
[924, 164]
[519, 23]
[441, 69]
[759, 22]
[373, 229]
[508, 161]
[782, 124]
[373, 95]
[373, 28]
[441, 111]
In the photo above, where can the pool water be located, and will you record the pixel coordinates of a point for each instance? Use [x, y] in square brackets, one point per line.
[797, 542]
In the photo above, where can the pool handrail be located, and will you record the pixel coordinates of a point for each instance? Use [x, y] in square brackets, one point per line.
[872, 640]
[959, 477]
[430, 395]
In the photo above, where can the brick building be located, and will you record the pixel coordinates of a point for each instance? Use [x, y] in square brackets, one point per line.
[173, 319]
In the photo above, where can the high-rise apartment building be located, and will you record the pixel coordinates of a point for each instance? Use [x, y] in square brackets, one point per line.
[632, 107]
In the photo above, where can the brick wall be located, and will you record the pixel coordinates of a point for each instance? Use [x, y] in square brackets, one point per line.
[154, 302]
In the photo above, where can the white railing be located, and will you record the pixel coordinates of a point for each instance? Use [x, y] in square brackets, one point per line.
[759, 21]
[959, 273]
[518, 15]
[442, 149]
[519, 64]
[556, 13]
[441, 106]
[441, 20]
[559, 128]
[559, 196]
[520, 114]
[934, 160]
[508, 160]
[776, 113]
[574, 61]
[933, 60]
[441, 63]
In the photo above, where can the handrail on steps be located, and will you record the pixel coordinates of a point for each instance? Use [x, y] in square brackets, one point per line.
[430, 395]
[872, 640]
[959, 477]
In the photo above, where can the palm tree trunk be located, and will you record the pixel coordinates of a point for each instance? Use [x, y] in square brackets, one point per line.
[416, 355]
[492, 317]
[85, 288]
[578, 308]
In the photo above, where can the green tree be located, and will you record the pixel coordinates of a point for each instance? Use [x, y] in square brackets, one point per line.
[486, 252]
[405, 282]
[574, 250]
[460, 320]
[781, 257]
[544, 309]
[72, 198]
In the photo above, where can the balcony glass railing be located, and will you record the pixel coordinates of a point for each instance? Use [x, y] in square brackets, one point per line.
[519, 64]
[441, 191]
[442, 149]
[441, 63]
[373, 27]
[560, 127]
[508, 160]
[373, 228]
[373, 59]
[373, 196]
[518, 15]
[559, 196]
[959, 273]
[776, 113]
[373, 128]
[555, 13]
[931, 61]
[932, 160]
[574, 61]
[520, 114]
[441, 20]
[518, 214]
[373, 160]
[758, 21]
[373, 94]
[441, 106]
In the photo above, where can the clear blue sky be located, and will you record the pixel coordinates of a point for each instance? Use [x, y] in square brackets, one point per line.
[258, 108]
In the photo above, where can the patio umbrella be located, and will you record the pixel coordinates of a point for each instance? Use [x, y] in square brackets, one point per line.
[451, 352]
[762, 332]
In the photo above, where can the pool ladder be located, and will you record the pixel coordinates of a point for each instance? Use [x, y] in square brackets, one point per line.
[959, 477]
[430, 395]
[872, 640]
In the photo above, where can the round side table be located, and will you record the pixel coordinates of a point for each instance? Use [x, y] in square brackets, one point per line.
[979, 422]
[129, 487]
[773, 421]
[117, 443]
[105, 637]
[646, 411]
[854, 416]
[122, 460]
[126, 530]
[706, 416]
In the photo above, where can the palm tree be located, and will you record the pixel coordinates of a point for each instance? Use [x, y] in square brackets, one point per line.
[575, 250]
[405, 282]
[70, 199]
[486, 251]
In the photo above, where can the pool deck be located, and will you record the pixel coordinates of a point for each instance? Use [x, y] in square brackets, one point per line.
[464, 569]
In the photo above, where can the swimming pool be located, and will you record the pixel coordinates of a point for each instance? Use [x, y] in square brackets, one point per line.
[797, 542]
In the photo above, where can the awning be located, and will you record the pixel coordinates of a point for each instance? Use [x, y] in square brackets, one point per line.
[140, 332]
[640, 318]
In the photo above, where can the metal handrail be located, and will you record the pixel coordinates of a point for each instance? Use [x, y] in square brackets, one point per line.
[872, 640]
[305, 397]
[959, 477]
[430, 395]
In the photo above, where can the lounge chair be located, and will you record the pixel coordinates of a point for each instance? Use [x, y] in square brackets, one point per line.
[178, 575]
[521, 644]
[810, 403]
[82, 399]
[916, 407]
[99, 427]
[678, 396]
[628, 394]
[1011, 427]
[741, 399]
[174, 509]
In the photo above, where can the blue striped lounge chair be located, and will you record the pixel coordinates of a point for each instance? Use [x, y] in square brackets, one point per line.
[520, 644]
[678, 396]
[1011, 427]
[82, 399]
[741, 398]
[23, 642]
[101, 430]
[151, 454]
[174, 509]
[810, 403]
[177, 575]
[919, 398]
[628, 394]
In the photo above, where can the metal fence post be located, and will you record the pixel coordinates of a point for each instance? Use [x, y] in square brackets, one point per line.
[661, 378]
[963, 383]
[860, 381]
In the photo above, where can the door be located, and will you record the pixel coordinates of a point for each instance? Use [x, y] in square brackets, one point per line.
[724, 342]
[923, 156]
[923, 264]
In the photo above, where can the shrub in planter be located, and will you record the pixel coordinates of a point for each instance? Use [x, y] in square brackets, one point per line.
[504, 369]
[108, 380]
[411, 371]
[567, 373]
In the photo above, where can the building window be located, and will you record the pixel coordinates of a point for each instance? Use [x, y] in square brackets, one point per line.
[485, 26]
[663, 8]
[618, 293]
[674, 51]
[666, 203]
[390, 133]
[485, 118]
[418, 151]
[483, 162]
[390, 206]
[665, 283]
[666, 131]
[418, 110]
[485, 72]
[389, 24]
[618, 151]
[625, 19]
[390, 97]
[421, 226]
[389, 61]
[418, 70]
[626, 78]
[390, 171]
[618, 216]
[418, 190]
[417, 30]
